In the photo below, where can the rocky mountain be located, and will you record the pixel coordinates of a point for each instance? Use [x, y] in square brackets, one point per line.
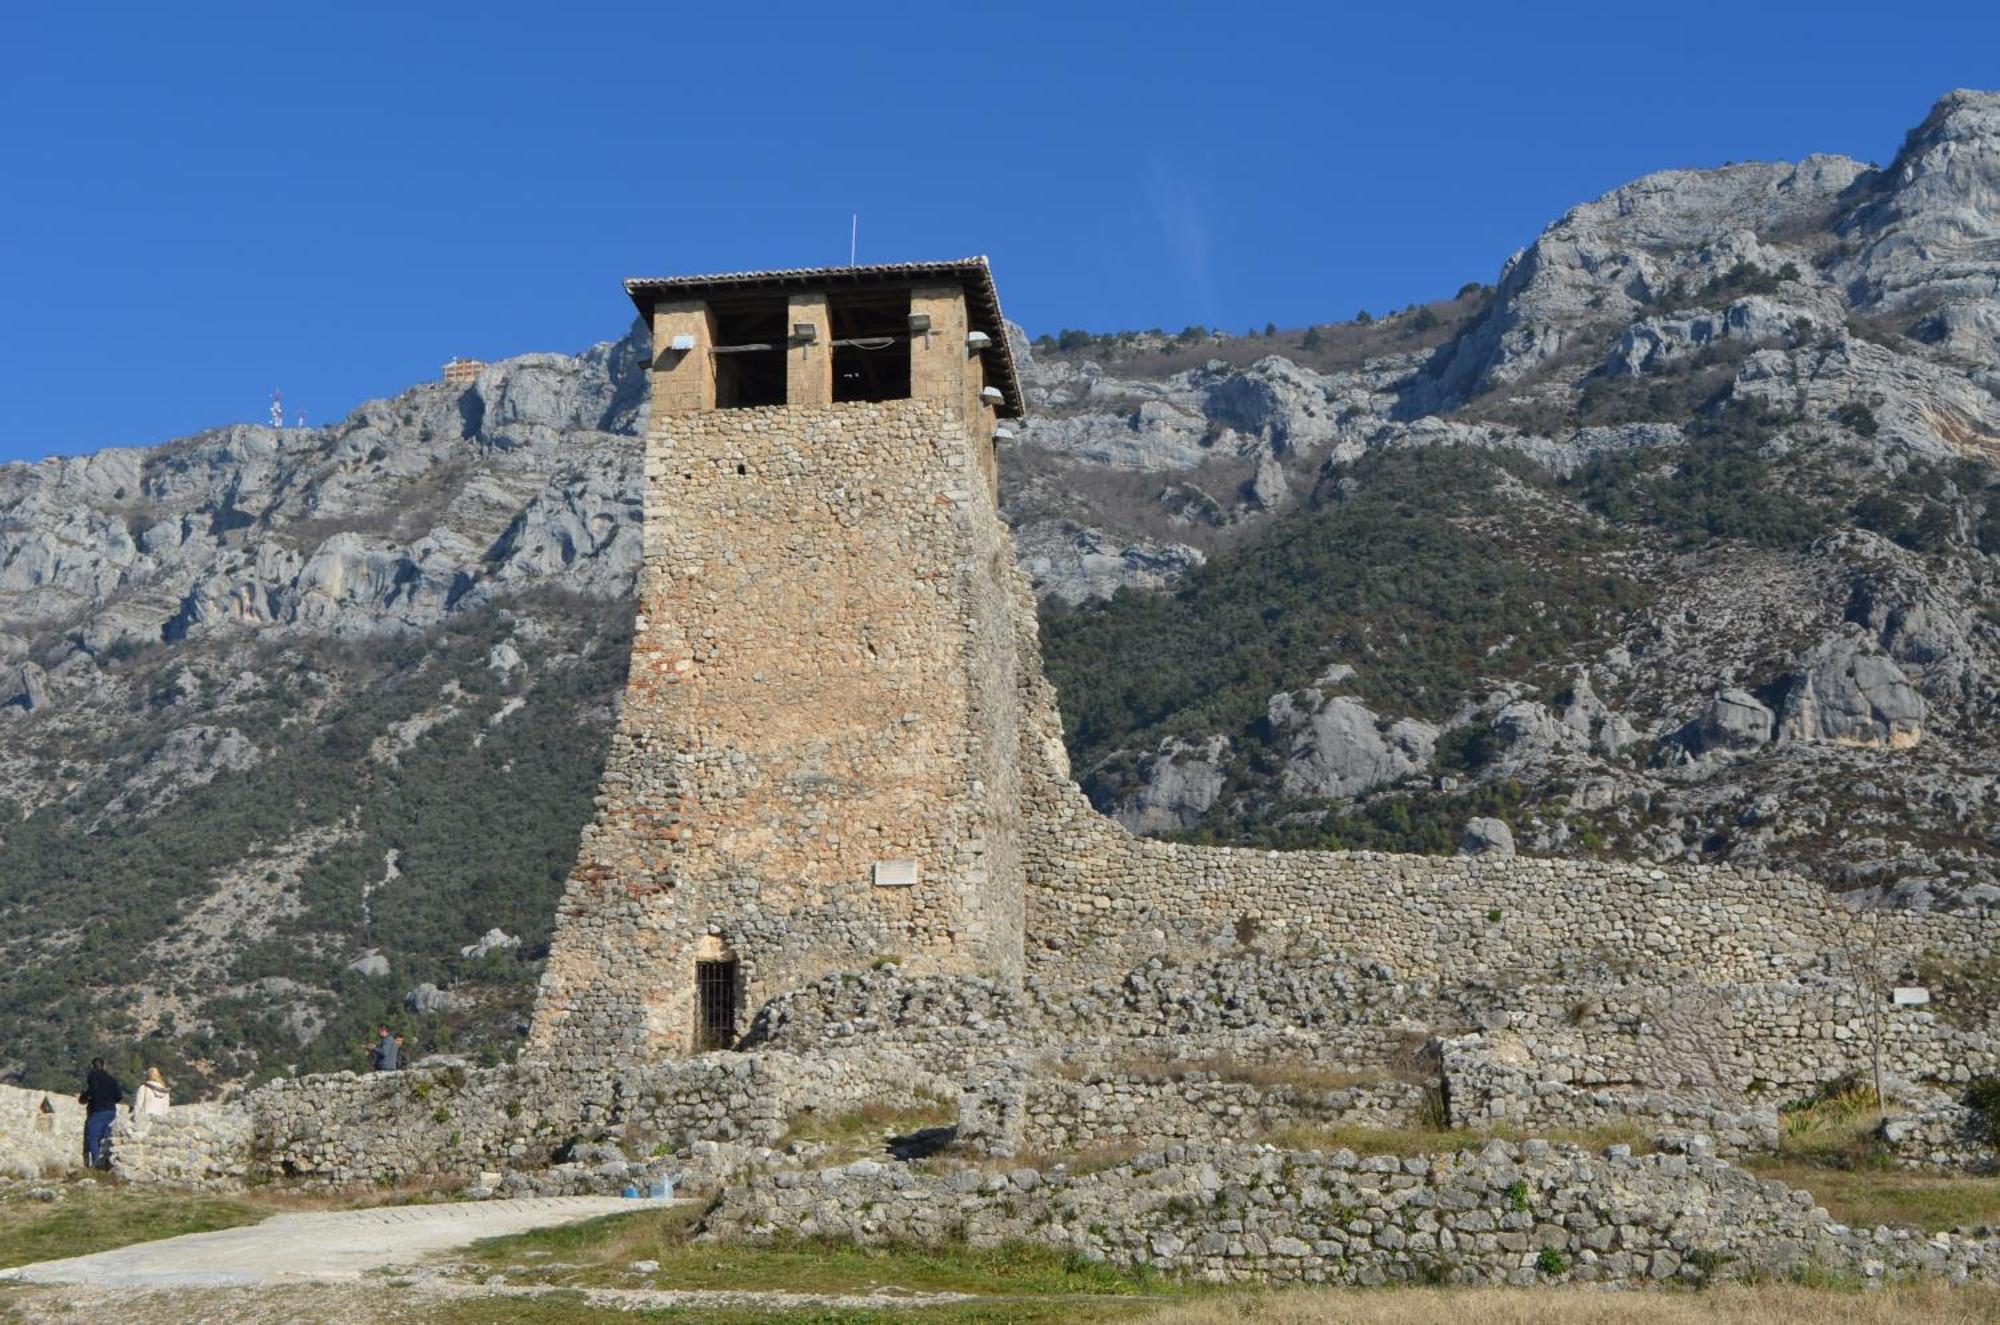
[1681, 545]
[1681, 541]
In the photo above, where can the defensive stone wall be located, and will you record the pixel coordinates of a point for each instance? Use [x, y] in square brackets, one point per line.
[39, 1131]
[451, 1124]
[1517, 1214]
[1708, 976]
[1110, 1110]
[206, 1146]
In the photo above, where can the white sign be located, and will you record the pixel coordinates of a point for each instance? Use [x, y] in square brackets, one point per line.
[895, 873]
[1909, 996]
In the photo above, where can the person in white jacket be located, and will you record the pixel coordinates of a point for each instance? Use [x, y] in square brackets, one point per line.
[152, 1095]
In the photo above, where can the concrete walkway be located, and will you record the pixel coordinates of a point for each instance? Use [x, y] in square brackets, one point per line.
[318, 1248]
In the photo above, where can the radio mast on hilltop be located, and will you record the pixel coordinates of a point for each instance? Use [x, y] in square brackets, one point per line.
[277, 408]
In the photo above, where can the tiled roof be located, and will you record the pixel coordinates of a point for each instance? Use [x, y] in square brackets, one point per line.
[982, 301]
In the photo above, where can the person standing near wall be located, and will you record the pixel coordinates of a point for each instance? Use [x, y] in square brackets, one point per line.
[100, 1096]
[152, 1098]
[386, 1055]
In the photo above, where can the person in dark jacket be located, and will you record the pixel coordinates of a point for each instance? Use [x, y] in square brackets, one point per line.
[387, 1055]
[99, 1097]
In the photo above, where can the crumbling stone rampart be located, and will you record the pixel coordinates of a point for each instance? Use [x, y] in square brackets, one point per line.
[208, 1146]
[1110, 1110]
[39, 1131]
[453, 1123]
[1517, 1214]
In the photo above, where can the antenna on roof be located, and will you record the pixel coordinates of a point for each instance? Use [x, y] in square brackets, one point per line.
[277, 408]
[853, 237]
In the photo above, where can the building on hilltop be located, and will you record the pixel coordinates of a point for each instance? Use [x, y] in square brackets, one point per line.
[815, 765]
[462, 372]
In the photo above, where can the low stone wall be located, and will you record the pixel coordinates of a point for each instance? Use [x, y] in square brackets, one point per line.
[1503, 1214]
[449, 1123]
[39, 1131]
[1928, 1129]
[1786, 1035]
[189, 1147]
[1487, 1086]
[1061, 1117]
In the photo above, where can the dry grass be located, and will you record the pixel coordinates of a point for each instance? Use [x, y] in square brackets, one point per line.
[601, 1252]
[1296, 1076]
[1075, 1162]
[868, 1129]
[1771, 1304]
[1866, 1197]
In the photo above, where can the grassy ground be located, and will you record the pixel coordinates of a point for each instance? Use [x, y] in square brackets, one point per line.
[99, 1215]
[600, 1252]
[574, 1311]
[1869, 1196]
[88, 1220]
[1828, 1145]
[867, 1130]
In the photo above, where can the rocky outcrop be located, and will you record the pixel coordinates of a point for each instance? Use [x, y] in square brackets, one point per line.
[1338, 746]
[1929, 225]
[1734, 720]
[30, 687]
[1606, 260]
[1846, 692]
[1654, 344]
[1177, 785]
[1486, 837]
[1073, 564]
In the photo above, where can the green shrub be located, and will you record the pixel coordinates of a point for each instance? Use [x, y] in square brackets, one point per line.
[1982, 1096]
[1858, 417]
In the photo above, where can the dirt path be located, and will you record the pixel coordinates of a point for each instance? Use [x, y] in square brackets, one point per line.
[317, 1248]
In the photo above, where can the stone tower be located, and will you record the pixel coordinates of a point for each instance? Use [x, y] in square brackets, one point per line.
[815, 765]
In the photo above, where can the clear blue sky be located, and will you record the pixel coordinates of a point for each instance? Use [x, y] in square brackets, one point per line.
[200, 202]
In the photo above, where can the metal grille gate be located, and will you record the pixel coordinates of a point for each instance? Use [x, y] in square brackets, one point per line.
[714, 1005]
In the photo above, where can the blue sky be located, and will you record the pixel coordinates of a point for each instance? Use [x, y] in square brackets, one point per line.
[201, 202]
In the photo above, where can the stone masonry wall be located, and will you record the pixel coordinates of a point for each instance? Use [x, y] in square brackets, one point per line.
[1063, 1117]
[206, 1146]
[822, 681]
[453, 1123]
[1749, 975]
[39, 1130]
[1517, 1214]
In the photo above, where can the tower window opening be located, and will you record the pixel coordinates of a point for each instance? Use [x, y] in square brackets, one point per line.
[715, 997]
[871, 346]
[750, 354]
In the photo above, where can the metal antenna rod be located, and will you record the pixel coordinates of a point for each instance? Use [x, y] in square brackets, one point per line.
[853, 237]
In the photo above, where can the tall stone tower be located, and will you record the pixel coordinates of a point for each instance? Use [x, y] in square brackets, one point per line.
[815, 766]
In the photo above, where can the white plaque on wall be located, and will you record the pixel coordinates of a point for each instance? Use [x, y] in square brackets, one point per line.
[895, 873]
[1910, 995]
